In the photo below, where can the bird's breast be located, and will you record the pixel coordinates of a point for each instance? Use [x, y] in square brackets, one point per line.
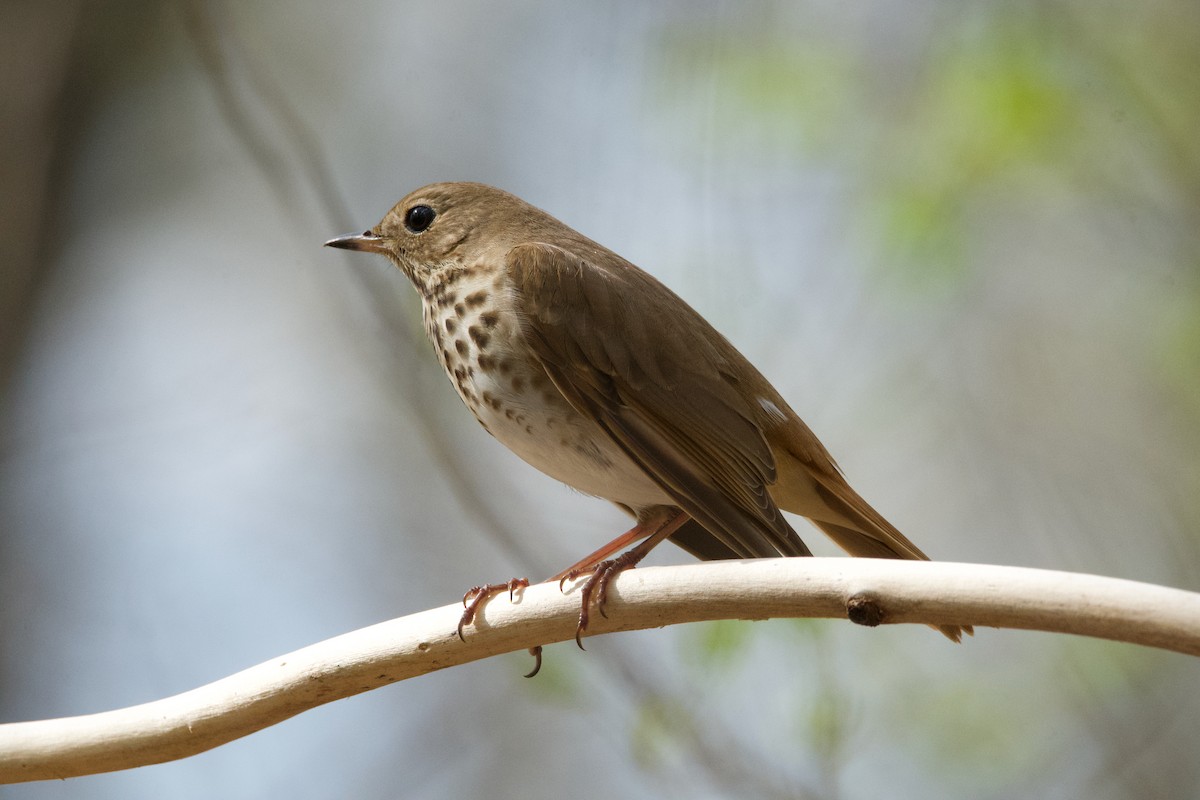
[472, 322]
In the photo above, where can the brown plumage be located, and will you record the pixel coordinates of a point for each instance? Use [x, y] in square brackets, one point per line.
[599, 375]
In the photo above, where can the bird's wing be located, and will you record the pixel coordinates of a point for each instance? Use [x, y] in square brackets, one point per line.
[623, 350]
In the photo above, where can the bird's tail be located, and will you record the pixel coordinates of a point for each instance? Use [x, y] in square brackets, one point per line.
[811, 484]
[880, 545]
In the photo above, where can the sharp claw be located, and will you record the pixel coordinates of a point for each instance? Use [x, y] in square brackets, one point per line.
[597, 586]
[516, 583]
[586, 594]
[575, 573]
[536, 652]
[601, 572]
[468, 614]
[477, 595]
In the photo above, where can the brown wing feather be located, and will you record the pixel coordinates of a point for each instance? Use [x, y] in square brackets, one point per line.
[664, 394]
[811, 484]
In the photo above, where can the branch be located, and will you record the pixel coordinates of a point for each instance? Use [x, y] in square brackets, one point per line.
[870, 591]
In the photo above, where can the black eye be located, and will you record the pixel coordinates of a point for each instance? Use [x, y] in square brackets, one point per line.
[419, 218]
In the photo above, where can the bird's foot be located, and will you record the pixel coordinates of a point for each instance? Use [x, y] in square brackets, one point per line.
[476, 596]
[597, 585]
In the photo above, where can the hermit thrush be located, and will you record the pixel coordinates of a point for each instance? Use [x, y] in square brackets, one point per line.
[600, 376]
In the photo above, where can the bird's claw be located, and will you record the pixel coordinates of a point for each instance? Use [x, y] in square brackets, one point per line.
[536, 652]
[476, 596]
[597, 586]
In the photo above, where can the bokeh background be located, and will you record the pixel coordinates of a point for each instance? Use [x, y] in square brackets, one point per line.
[962, 239]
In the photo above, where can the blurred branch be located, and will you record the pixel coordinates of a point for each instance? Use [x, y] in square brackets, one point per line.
[870, 591]
[38, 66]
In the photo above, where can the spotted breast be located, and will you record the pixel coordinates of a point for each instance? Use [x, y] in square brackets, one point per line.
[471, 321]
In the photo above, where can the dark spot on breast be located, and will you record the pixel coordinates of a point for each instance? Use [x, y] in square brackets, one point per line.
[510, 414]
[489, 319]
[460, 310]
[460, 346]
[550, 397]
[518, 384]
[529, 429]
[479, 336]
[506, 366]
[451, 325]
[590, 451]
[475, 299]
[486, 363]
[538, 380]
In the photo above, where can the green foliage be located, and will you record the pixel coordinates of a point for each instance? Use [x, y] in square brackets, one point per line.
[659, 732]
[721, 645]
[763, 92]
[1179, 351]
[997, 112]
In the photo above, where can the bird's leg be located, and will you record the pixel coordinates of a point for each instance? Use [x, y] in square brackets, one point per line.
[639, 531]
[478, 595]
[649, 533]
[652, 532]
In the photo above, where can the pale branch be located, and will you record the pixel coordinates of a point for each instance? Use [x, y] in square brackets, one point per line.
[867, 590]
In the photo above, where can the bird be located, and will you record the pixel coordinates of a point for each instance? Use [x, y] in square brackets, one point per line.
[595, 373]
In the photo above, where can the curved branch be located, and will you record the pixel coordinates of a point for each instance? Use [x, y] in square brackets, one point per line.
[869, 591]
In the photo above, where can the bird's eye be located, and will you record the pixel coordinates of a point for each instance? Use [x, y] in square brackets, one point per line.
[419, 218]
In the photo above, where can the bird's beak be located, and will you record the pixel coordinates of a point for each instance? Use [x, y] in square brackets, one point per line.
[366, 241]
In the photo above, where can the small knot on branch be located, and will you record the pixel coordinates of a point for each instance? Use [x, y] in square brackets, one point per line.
[863, 609]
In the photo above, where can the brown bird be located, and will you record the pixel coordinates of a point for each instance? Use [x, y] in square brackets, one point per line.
[594, 372]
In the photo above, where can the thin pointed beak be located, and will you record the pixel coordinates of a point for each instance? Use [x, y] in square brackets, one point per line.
[366, 241]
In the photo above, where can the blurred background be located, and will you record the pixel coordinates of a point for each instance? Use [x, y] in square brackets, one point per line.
[963, 240]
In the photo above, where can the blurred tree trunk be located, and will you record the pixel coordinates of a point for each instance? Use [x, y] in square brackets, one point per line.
[36, 40]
